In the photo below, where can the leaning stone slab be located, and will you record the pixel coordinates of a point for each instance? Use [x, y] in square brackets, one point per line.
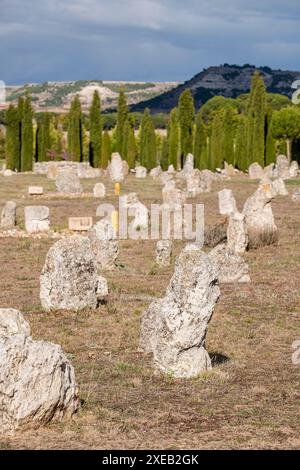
[37, 381]
[37, 219]
[8, 215]
[255, 171]
[80, 224]
[174, 328]
[69, 279]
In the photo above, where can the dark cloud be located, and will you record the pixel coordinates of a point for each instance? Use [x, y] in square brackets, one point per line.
[142, 39]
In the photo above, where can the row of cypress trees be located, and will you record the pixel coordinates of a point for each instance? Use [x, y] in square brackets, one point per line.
[19, 136]
[224, 134]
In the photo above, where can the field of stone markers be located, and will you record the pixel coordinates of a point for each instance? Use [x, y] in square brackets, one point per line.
[208, 360]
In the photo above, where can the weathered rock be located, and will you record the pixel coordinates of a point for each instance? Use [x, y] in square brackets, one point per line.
[116, 168]
[227, 203]
[171, 170]
[99, 190]
[140, 172]
[67, 182]
[163, 252]
[69, 279]
[279, 187]
[174, 327]
[125, 168]
[193, 183]
[85, 171]
[52, 170]
[259, 217]
[283, 167]
[165, 177]
[294, 169]
[8, 215]
[229, 170]
[270, 171]
[237, 236]
[8, 173]
[156, 172]
[255, 171]
[232, 268]
[37, 219]
[173, 196]
[296, 195]
[37, 381]
[104, 245]
[188, 166]
[40, 168]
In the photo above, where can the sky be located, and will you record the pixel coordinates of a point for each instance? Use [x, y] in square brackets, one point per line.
[143, 40]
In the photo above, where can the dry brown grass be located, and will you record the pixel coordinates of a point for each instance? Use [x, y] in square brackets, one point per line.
[250, 400]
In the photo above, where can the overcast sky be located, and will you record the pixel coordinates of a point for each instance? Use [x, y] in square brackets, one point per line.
[155, 40]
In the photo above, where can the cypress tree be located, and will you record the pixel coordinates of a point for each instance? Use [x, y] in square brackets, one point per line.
[13, 143]
[105, 150]
[121, 121]
[186, 109]
[240, 154]
[148, 149]
[270, 141]
[229, 131]
[217, 141]
[75, 131]
[173, 138]
[164, 159]
[95, 131]
[200, 144]
[256, 121]
[43, 138]
[131, 148]
[27, 136]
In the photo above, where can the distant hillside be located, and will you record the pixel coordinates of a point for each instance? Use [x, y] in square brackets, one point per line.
[57, 96]
[226, 80]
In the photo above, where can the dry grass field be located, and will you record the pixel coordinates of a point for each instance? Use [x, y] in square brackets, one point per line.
[251, 398]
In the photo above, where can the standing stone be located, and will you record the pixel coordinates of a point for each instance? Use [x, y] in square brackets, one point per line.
[140, 172]
[68, 182]
[37, 381]
[193, 183]
[283, 167]
[171, 170]
[227, 203]
[188, 166]
[173, 196]
[232, 268]
[69, 279]
[40, 168]
[255, 171]
[163, 252]
[104, 245]
[279, 187]
[270, 171]
[165, 177]
[8, 215]
[99, 190]
[259, 217]
[8, 173]
[237, 237]
[141, 216]
[156, 172]
[293, 170]
[174, 328]
[37, 219]
[206, 180]
[296, 195]
[229, 170]
[125, 168]
[116, 168]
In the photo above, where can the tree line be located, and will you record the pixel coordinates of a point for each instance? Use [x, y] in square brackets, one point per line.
[254, 127]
